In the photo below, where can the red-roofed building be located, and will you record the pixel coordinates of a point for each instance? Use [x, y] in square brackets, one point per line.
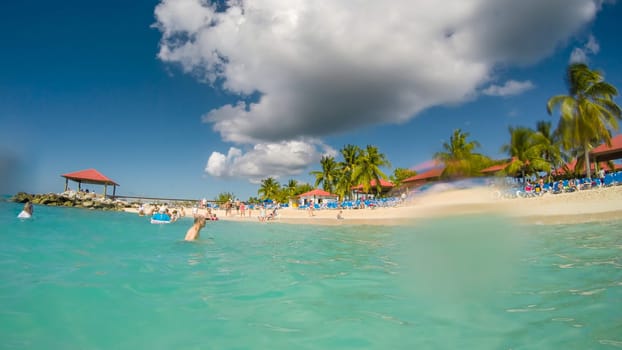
[569, 168]
[605, 153]
[423, 178]
[383, 184]
[317, 196]
[90, 176]
[497, 168]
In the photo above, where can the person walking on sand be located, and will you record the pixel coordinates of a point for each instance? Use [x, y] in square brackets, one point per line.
[195, 231]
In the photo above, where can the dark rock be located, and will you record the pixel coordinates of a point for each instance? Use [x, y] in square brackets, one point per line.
[22, 197]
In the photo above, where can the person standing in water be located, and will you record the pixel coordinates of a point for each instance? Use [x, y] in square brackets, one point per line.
[26, 213]
[194, 231]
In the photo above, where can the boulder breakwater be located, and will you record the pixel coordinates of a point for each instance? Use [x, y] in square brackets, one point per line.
[72, 199]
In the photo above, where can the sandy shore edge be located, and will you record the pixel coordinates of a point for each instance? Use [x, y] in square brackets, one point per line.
[595, 205]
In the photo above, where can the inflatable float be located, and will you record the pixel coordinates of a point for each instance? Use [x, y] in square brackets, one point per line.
[160, 218]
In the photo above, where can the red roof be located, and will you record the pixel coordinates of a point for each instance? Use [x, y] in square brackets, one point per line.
[495, 168]
[430, 174]
[571, 167]
[317, 192]
[90, 176]
[498, 167]
[616, 145]
[383, 183]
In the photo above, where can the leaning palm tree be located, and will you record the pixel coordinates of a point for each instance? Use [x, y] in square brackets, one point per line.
[269, 188]
[458, 156]
[526, 150]
[367, 168]
[588, 112]
[328, 175]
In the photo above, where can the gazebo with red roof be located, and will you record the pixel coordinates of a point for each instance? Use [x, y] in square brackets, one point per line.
[90, 176]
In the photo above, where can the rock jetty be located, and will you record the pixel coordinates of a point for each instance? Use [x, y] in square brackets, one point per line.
[72, 199]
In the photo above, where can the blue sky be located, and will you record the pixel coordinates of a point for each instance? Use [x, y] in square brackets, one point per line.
[174, 98]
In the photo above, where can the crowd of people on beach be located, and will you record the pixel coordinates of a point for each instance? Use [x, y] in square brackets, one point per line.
[535, 187]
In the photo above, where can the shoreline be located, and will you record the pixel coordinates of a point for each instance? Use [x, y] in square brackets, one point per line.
[594, 205]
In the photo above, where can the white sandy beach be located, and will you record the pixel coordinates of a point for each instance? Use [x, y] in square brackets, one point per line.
[599, 204]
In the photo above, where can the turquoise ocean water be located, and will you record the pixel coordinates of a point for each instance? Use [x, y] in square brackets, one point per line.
[78, 279]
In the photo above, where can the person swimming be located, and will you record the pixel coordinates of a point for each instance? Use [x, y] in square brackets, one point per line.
[194, 232]
[26, 213]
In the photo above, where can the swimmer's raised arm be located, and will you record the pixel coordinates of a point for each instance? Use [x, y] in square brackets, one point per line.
[195, 231]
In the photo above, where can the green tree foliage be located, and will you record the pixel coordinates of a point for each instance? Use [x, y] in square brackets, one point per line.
[367, 168]
[224, 197]
[269, 188]
[588, 113]
[401, 174]
[253, 200]
[328, 175]
[550, 143]
[302, 188]
[526, 149]
[350, 154]
[459, 158]
[290, 189]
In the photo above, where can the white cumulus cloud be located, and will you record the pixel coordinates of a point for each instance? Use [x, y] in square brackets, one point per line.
[511, 87]
[267, 160]
[308, 69]
[580, 54]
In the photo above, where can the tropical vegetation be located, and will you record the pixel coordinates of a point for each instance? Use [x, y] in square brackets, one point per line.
[588, 115]
[459, 158]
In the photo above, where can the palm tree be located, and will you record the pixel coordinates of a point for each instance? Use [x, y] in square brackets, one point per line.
[291, 187]
[328, 175]
[269, 188]
[526, 150]
[588, 112]
[351, 155]
[224, 197]
[367, 168]
[401, 174]
[458, 157]
[550, 143]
